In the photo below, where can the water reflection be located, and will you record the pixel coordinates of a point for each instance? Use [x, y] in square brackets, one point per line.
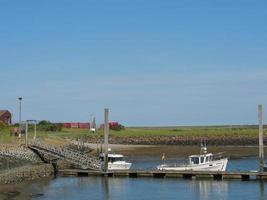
[262, 192]
[109, 188]
[208, 189]
[105, 185]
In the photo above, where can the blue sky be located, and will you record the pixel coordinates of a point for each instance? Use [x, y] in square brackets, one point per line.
[151, 62]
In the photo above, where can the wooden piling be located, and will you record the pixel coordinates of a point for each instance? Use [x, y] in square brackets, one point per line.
[106, 132]
[261, 150]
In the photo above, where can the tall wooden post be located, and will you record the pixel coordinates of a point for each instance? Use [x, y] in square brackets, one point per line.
[261, 150]
[106, 132]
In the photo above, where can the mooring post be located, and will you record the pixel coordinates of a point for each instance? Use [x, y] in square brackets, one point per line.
[106, 132]
[261, 148]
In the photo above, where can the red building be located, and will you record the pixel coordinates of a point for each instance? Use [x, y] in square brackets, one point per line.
[76, 125]
[111, 125]
[84, 125]
[67, 125]
[5, 117]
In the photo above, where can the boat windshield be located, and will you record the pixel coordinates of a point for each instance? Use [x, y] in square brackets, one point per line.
[194, 160]
[111, 159]
[202, 159]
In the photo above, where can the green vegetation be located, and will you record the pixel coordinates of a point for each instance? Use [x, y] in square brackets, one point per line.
[2, 125]
[5, 135]
[209, 131]
[119, 127]
[188, 131]
[140, 132]
[48, 126]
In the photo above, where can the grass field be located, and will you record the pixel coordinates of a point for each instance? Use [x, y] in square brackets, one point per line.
[248, 131]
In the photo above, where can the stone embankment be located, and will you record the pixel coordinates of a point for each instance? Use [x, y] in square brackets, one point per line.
[18, 163]
[20, 152]
[26, 173]
[181, 140]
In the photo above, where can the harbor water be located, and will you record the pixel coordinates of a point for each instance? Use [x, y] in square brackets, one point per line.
[109, 188]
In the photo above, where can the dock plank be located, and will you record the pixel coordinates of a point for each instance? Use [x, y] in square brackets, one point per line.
[216, 175]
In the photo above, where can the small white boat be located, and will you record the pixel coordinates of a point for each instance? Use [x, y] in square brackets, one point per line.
[115, 161]
[203, 162]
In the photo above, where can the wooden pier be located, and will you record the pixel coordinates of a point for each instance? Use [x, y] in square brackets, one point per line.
[217, 175]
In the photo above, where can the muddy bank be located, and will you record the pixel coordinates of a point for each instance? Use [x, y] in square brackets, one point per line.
[181, 140]
[26, 173]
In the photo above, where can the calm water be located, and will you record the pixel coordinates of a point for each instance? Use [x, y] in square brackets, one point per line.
[84, 188]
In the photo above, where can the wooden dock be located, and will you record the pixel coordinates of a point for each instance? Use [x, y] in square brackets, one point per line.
[245, 176]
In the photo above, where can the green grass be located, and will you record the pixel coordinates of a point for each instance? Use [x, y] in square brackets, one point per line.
[217, 131]
[174, 131]
[5, 136]
[190, 131]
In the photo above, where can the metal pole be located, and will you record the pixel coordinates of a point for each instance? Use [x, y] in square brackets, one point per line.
[34, 130]
[20, 99]
[261, 150]
[26, 135]
[20, 109]
[106, 132]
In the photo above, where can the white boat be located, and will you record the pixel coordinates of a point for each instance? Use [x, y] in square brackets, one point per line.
[203, 162]
[115, 161]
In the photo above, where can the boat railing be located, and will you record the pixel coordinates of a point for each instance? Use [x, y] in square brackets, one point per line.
[176, 165]
[219, 156]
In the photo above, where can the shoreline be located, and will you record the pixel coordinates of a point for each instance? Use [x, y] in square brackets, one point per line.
[130, 146]
[179, 140]
[26, 173]
[130, 150]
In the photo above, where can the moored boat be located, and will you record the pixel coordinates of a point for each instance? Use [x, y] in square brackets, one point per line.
[202, 162]
[116, 161]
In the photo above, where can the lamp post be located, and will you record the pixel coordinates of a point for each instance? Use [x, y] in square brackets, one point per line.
[20, 99]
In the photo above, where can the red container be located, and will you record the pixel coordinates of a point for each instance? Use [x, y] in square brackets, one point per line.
[66, 125]
[111, 125]
[84, 125]
[74, 125]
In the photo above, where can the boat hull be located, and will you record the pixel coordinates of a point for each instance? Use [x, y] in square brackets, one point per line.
[119, 166]
[216, 165]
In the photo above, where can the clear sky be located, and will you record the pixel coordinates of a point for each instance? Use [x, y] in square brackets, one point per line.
[152, 62]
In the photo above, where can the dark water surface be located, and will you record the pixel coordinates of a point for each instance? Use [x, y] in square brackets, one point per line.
[93, 188]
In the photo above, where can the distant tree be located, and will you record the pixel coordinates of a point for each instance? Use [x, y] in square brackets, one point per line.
[49, 126]
[118, 127]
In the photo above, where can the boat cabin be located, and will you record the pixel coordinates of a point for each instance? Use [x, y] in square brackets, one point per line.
[111, 157]
[200, 159]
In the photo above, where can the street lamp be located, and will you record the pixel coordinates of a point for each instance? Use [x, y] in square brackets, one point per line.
[20, 99]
